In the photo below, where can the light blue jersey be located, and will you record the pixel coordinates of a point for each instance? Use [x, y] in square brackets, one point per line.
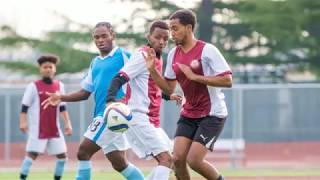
[100, 74]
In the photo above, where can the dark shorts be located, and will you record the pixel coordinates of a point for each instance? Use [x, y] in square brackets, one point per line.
[204, 130]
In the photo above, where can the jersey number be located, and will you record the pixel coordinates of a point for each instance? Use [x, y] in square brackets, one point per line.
[94, 125]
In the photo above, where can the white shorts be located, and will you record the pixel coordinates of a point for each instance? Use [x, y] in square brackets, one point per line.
[145, 139]
[54, 146]
[108, 140]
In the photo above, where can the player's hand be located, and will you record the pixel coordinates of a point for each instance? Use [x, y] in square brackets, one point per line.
[187, 71]
[149, 56]
[23, 126]
[68, 130]
[177, 98]
[53, 100]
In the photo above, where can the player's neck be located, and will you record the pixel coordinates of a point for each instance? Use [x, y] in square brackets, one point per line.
[189, 43]
[105, 53]
[47, 80]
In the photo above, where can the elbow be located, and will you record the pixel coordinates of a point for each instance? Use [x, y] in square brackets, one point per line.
[228, 83]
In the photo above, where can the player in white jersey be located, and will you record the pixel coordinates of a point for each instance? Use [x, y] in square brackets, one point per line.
[201, 71]
[42, 125]
[102, 68]
[145, 136]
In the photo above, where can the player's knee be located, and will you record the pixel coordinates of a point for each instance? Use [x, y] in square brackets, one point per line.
[193, 162]
[119, 165]
[165, 159]
[118, 160]
[62, 156]
[82, 154]
[179, 161]
[33, 155]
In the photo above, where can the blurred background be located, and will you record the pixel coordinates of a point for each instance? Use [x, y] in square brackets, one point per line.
[271, 45]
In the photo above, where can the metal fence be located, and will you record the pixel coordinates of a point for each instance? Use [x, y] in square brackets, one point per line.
[272, 113]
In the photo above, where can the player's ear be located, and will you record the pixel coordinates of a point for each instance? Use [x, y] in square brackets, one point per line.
[189, 27]
[148, 38]
[113, 35]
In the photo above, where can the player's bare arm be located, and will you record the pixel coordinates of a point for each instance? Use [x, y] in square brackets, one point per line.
[23, 122]
[166, 86]
[55, 98]
[67, 123]
[216, 81]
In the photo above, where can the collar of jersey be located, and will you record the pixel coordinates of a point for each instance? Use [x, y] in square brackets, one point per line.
[110, 53]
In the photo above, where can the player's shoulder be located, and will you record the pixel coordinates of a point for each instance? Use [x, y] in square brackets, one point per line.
[171, 53]
[138, 53]
[209, 46]
[124, 52]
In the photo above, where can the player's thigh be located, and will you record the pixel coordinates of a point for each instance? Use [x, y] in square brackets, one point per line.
[197, 152]
[36, 145]
[107, 140]
[209, 130]
[57, 145]
[146, 141]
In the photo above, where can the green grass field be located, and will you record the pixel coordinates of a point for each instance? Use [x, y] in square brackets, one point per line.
[111, 175]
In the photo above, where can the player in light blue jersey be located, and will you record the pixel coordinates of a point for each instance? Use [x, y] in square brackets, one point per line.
[102, 69]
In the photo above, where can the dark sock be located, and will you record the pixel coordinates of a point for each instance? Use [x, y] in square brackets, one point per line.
[220, 177]
[57, 177]
[23, 177]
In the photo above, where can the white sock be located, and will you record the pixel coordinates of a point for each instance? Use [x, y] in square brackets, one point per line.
[159, 173]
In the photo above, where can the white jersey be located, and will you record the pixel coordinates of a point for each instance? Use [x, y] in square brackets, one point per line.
[144, 95]
[32, 100]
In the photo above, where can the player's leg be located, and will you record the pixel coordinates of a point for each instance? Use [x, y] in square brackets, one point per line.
[60, 164]
[204, 139]
[26, 164]
[89, 147]
[180, 150]
[114, 146]
[121, 164]
[164, 159]
[147, 143]
[186, 129]
[34, 147]
[86, 149]
[164, 168]
[57, 147]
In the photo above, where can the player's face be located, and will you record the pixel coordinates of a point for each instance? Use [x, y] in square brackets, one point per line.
[47, 69]
[179, 32]
[158, 39]
[103, 38]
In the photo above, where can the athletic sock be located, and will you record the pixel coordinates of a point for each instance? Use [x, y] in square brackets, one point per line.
[84, 170]
[132, 173]
[160, 173]
[25, 167]
[58, 172]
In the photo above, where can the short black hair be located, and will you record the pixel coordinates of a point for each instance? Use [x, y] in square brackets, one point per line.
[158, 24]
[105, 24]
[48, 58]
[185, 17]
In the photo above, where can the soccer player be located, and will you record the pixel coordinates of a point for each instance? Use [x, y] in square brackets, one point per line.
[201, 71]
[102, 69]
[146, 137]
[42, 125]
